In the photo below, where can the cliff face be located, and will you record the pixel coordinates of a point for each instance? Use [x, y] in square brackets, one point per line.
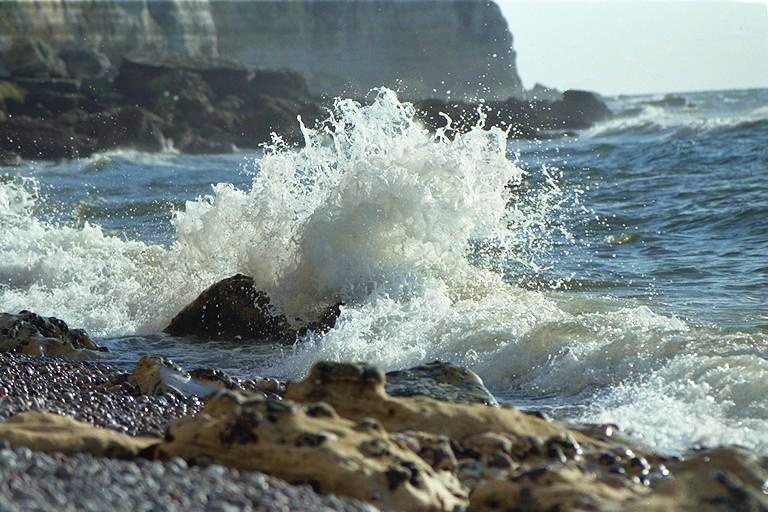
[162, 29]
[423, 48]
[428, 46]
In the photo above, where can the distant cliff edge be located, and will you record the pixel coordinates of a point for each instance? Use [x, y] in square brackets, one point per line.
[460, 49]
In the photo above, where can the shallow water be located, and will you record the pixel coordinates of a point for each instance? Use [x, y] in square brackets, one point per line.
[618, 274]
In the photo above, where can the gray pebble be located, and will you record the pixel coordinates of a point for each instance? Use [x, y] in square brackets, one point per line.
[83, 482]
[80, 389]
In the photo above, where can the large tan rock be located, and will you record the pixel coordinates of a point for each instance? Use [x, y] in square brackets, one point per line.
[340, 432]
[312, 444]
[49, 432]
[554, 487]
[356, 391]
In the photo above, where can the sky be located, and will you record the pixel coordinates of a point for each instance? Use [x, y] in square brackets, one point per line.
[640, 46]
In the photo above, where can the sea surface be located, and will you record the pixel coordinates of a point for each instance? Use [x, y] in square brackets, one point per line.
[616, 274]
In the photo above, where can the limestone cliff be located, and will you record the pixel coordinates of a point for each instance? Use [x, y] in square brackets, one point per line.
[161, 29]
[424, 48]
[428, 46]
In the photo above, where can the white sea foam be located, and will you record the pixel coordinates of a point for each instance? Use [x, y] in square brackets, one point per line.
[407, 229]
[677, 121]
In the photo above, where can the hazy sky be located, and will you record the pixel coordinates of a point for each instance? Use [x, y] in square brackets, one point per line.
[640, 46]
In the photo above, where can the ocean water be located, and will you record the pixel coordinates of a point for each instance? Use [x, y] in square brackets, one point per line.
[618, 274]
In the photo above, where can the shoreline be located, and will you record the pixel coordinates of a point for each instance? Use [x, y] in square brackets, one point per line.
[481, 468]
[222, 107]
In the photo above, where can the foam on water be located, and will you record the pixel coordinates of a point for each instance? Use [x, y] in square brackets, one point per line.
[683, 121]
[419, 235]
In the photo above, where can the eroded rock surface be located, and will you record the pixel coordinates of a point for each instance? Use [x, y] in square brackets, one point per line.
[339, 431]
[312, 444]
[50, 432]
[35, 335]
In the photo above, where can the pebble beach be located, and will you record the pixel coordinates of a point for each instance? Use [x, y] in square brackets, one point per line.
[36, 481]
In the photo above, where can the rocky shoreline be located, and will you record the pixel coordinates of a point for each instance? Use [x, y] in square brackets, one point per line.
[69, 104]
[347, 437]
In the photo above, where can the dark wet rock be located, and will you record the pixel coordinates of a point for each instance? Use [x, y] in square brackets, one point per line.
[541, 92]
[7, 157]
[134, 78]
[10, 93]
[669, 100]
[35, 335]
[227, 79]
[213, 106]
[46, 97]
[49, 85]
[579, 109]
[34, 139]
[32, 57]
[231, 308]
[84, 61]
[267, 114]
[147, 82]
[280, 84]
[523, 119]
[441, 381]
[121, 127]
[48, 103]
[196, 145]
[234, 309]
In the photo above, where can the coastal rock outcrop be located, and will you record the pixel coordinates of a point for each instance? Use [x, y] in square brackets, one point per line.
[445, 48]
[524, 119]
[32, 57]
[340, 432]
[231, 308]
[35, 335]
[438, 380]
[234, 309]
[49, 432]
[216, 77]
[312, 444]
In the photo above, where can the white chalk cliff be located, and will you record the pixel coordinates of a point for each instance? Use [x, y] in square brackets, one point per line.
[424, 48]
